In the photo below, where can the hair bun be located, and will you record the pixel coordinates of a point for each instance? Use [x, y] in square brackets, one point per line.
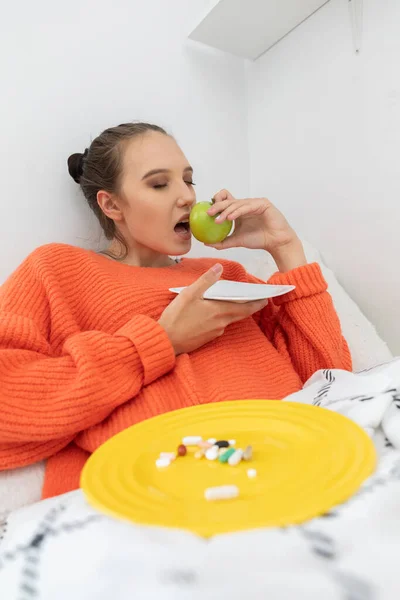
[75, 165]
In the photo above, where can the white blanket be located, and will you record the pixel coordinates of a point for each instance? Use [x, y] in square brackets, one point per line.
[63, 549]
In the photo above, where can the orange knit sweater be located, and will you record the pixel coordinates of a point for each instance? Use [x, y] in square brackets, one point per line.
[82, 355]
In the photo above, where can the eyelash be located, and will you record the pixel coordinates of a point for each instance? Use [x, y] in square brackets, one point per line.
[159, 187]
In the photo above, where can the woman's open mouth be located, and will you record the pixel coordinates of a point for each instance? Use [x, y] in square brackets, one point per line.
[182, 228]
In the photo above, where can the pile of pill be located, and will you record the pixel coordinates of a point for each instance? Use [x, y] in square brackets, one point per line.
[224, 451]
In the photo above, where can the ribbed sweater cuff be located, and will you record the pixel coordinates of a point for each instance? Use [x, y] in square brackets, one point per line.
[152, 344]
[308, 280]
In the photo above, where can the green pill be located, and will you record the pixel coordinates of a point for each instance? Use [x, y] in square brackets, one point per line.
[224, 457]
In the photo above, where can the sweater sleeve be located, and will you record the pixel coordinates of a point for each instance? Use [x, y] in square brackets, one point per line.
[45, 400]
[303, 324]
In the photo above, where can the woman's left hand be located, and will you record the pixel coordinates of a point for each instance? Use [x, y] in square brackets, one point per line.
[258, 225]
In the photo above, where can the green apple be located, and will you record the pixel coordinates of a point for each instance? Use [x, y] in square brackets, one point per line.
[204, 228]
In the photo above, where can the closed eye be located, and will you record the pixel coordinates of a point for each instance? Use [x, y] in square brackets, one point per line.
[164, 185]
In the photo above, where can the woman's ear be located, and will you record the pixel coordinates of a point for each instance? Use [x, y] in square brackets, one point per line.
[110, 205]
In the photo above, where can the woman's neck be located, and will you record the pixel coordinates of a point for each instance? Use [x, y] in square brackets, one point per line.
[138, 258]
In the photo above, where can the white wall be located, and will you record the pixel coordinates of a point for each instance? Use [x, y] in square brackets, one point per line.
[322, 126]
[71, 69]
[324, 137]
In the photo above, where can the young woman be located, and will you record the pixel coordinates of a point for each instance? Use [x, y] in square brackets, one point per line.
[91, 343]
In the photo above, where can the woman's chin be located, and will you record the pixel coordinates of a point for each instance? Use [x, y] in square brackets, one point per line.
[183, 247]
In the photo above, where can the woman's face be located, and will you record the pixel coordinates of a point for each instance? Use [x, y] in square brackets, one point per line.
[156, 196]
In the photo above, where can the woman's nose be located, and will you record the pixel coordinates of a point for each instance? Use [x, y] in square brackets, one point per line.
[188, 200]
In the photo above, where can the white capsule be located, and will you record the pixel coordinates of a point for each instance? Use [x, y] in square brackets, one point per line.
[191, 440]
[232, 442]
[212, 441]
[251, 473]
[248, 453]
[235, 458]
[168, 455]
[212, 453]
[222, 492]
[162, 463]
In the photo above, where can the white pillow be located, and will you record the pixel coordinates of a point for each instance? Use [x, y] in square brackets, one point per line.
[20, 487]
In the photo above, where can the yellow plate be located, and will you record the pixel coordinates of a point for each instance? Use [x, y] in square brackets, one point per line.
[307, 459]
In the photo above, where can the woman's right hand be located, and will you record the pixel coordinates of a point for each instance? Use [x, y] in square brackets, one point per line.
[190, 321]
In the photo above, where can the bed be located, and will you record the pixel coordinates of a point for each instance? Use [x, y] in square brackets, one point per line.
[348, 554]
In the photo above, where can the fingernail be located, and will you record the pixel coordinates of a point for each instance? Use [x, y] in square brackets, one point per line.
[217, 268]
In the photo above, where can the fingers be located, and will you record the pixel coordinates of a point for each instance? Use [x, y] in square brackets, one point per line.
[229, 242]
[249, 308]
[255, 306]
[204, 282]
[223, 195]
[234, 211]
[222, 201]
[228, 210]
[220, 206]
[246, 310]
[231, 312]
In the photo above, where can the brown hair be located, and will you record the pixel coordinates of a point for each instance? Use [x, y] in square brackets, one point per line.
[100, 168]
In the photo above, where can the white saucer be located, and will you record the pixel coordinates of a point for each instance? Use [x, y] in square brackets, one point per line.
[238, 291]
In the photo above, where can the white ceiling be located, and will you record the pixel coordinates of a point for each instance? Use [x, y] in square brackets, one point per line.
[248, 28]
